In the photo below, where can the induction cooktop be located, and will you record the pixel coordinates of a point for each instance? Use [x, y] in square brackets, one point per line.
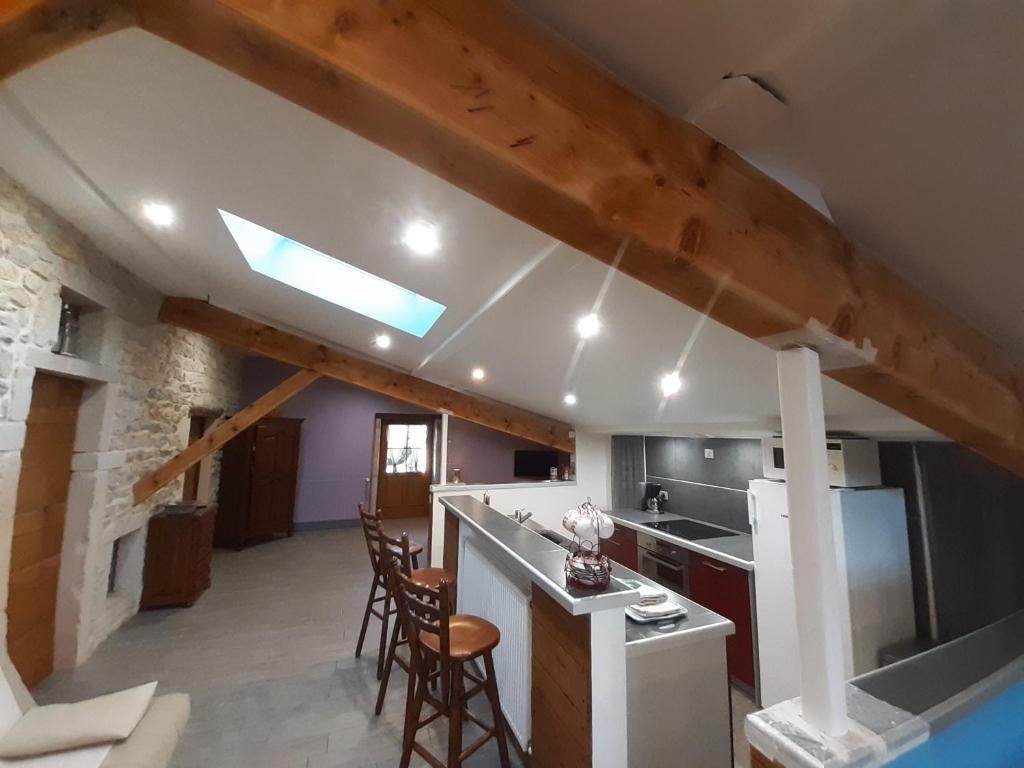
[690, 529]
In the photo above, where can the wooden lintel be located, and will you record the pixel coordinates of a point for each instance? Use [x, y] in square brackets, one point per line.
[221, 434]
[488, 100]
[262, 339]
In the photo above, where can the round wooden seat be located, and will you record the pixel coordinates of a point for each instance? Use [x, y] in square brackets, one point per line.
[469, 637]
[431, 578]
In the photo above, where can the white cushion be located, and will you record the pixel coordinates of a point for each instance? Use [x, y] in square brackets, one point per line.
[59, 727]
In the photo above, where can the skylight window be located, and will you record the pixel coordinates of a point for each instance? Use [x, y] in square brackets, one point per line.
[330, 279]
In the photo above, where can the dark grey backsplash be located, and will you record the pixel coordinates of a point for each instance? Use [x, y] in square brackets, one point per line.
[712, 490]
[736, 462]
[721, 506]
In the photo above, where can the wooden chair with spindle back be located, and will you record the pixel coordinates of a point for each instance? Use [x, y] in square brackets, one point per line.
[379, 592]
[398, 550]
[441, 644]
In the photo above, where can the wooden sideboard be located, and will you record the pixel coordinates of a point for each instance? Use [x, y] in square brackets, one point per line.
[179, 550]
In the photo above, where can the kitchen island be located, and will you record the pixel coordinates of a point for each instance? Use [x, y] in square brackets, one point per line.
[716, 571]
[581, 685]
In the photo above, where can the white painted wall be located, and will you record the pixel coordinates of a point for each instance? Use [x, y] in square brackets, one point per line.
[547, 501]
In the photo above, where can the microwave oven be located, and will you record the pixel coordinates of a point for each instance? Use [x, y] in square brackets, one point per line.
[852, 462]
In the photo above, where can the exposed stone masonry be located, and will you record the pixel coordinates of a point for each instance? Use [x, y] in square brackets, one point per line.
[143, 380]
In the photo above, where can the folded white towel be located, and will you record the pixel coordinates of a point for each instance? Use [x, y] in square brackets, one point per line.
[653, 611]
[650, 595]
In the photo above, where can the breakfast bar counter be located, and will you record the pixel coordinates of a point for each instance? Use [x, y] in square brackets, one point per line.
[582, 685]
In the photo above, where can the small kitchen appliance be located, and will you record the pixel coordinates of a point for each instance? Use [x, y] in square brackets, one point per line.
[652, 495]
[852, 462]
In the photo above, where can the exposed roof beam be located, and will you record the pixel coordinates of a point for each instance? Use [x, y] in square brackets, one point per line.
[215, 438]
[489, 101]
[32, 30]
[252, 336]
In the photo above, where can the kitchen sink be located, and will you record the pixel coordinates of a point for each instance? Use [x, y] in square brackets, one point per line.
[554, 537]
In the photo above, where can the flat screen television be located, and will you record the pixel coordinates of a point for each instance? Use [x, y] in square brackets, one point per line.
[535, 464]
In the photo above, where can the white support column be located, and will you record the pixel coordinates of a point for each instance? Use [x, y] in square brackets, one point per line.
[812, 540]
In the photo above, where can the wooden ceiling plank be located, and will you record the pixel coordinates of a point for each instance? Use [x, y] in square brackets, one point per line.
[218, 436]
[262, 339]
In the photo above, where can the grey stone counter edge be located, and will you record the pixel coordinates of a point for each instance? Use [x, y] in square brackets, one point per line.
[500, 529]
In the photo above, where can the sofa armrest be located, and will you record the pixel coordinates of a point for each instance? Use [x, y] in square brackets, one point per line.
[155, 737]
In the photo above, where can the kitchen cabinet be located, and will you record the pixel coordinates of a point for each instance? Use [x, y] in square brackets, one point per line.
[621, 547]
[725, 589]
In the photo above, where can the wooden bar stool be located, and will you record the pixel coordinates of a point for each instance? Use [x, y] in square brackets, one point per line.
[379, 592]
[446, 643]
[415, 550]
[398, 550]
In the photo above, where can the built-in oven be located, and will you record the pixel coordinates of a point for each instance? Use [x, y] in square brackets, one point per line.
[664, 562]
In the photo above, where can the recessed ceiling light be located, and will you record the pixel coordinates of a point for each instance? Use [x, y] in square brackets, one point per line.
[160, 214]
[382, 341]
[588, 326]
[570, 399]
[670, 384]
[421, 237]
[478, 374]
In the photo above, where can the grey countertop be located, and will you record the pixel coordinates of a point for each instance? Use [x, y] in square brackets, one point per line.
[541, 559]
[544, 561]
[736, 550]
[698, 622]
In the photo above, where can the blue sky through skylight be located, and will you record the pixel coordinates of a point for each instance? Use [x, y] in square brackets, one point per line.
[282, 259]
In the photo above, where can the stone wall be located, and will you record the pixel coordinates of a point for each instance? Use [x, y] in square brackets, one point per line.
[143, 380]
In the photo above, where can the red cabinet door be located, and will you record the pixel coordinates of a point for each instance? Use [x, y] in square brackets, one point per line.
[621, 547]
[725, 589]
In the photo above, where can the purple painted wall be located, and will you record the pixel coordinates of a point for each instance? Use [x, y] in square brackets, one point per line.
[484, 455]
[337, 438]
[337, 441]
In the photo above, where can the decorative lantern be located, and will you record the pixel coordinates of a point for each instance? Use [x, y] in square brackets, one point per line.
[585, 566]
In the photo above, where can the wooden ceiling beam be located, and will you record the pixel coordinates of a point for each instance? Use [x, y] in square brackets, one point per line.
[262, 339]
[476, 93]
[32, 30]
[219, 435]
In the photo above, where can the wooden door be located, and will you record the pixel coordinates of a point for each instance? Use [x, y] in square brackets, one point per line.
[275, 465]
[405, 466]
[39, 524]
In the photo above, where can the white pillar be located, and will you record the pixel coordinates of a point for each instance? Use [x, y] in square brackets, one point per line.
[812, 541]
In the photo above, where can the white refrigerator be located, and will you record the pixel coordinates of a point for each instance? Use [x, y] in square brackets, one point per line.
[875, 597]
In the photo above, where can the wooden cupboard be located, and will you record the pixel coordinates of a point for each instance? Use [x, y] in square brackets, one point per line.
[179, 548]
[259, 471]
[725, 589]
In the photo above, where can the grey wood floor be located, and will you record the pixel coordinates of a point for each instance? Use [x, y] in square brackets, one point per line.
[267, 656]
